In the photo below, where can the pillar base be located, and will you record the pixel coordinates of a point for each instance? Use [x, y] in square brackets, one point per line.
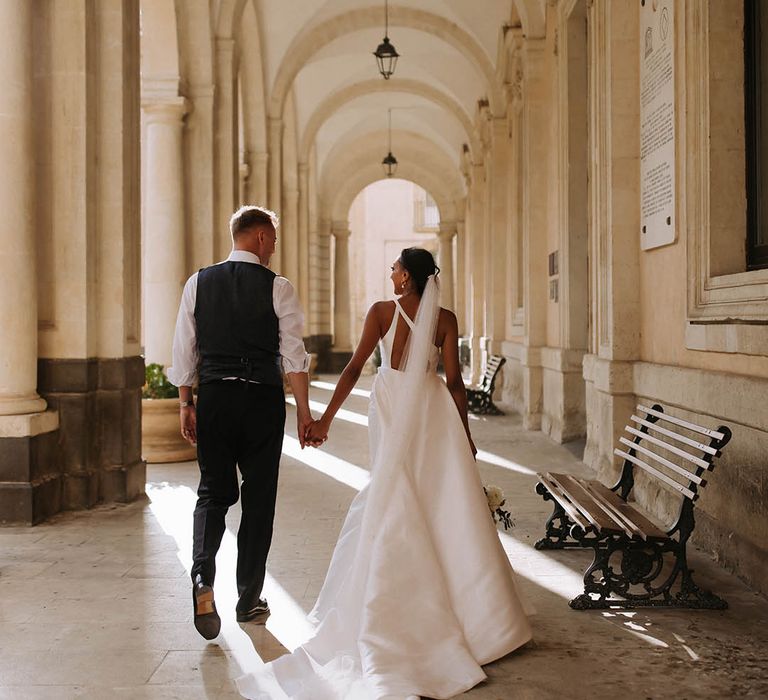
[512, 387]
[321, 345]
[610, 400]
[338, 360]
[563, 409]
[30, 468]
[99, 402]
[530, 359]
[22, 405]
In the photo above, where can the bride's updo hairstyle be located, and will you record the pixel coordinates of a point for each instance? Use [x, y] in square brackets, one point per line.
[420, 264]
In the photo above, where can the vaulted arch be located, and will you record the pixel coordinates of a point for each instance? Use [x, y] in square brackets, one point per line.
[358, 163]
[412, 172]
[313, 38]
[340, 98]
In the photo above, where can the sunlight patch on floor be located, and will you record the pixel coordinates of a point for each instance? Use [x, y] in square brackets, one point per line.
[490, 458]
[329, 386]
[173, 506]
[344, 472]
[694, 656]
[530, 563]
[342, 413]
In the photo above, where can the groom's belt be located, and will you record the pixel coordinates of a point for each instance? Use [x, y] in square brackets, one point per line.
[264, 369]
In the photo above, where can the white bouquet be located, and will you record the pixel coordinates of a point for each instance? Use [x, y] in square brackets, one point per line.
[496, 500]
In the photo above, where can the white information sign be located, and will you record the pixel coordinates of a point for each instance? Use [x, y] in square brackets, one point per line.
[657, 123]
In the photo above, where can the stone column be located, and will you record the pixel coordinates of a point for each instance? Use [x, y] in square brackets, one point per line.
[225, 183]
[256, 192]
[461, 278]
[290, 237]
[275, 136]
[341, 301]
[476, 258]
[244, 176]
[303, 280]
[446, 235]
[320, 302]
[614, 264]
[536, 188]
[199, 148]
[164, 269]
[30, 484]
[496, 230]
[18, 297]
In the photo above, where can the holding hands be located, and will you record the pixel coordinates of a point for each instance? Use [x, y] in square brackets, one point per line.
[316, 433]
[311, 433]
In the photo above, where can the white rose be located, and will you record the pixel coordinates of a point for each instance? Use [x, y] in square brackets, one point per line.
[495, 497]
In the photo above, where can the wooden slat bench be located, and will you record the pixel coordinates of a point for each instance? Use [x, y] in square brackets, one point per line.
[480, 398]
[636, 563]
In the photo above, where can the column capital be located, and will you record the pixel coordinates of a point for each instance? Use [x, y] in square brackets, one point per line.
[168, 109]
[225, 44]
[275, 126]
[201, 91]
[447, 229]
[340, 233]
[303, 169]
[255, 158]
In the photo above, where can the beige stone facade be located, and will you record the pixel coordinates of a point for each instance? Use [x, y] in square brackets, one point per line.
[131, 130]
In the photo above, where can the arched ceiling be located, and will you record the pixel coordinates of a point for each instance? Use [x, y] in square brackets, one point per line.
[351, 93]
[317, 55]
[321, 54]
[356, 162]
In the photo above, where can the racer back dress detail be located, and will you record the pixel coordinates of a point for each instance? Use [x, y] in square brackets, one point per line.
[419, 593]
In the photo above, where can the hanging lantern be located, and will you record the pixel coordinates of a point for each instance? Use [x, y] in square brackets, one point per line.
[390, 162]
[386, 54]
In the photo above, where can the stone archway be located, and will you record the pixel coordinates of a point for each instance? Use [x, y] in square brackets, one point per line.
[339, 99]
[424, 164]
[313, 38]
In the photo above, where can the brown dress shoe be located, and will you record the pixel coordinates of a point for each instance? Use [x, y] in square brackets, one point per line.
[207, 620]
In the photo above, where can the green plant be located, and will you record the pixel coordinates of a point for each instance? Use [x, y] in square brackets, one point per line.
[156, 384]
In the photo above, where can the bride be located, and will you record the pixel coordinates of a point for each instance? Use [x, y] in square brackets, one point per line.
[419, 593]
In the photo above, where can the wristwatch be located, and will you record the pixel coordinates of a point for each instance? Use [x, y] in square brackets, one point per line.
[184, 404]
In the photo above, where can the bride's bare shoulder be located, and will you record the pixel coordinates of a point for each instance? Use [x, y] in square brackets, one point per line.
[382, 311]
[381, 308]
[446, 317]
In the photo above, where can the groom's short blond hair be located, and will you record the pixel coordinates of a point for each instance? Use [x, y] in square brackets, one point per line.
[251, 216]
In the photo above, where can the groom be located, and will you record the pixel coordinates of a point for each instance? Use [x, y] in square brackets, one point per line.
[237, 323]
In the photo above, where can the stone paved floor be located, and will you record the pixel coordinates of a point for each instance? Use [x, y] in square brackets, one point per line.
[97, 604]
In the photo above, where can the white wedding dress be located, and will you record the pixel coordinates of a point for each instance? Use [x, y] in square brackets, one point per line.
[419, 593]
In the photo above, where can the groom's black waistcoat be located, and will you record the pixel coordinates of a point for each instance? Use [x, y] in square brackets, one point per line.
[236, 325]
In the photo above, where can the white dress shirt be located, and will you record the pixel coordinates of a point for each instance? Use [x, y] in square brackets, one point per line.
[288, 311]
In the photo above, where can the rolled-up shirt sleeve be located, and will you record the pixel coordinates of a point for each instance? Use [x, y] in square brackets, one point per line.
[291, 324]
[185, 355]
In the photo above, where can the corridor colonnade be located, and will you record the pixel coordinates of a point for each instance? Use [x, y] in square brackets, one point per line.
[523, 125]
[70, 256]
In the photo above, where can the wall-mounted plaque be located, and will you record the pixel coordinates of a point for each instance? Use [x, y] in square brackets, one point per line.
[657, 123]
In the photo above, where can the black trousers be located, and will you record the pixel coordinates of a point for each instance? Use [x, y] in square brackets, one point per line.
[239, 424]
